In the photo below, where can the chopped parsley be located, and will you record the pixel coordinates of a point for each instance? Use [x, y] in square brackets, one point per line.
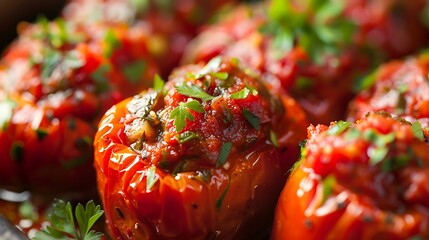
[273, 138]
[222, 197]
[151, 178]
[186, 136]
[328, 187]
[181, 113]
[339, 128]
[158, 84]
[41, 133]
[418, 131]
[6, 108]
[63, 222]
[242, 94]
[223, 154]
[193, 91]
[252, 119]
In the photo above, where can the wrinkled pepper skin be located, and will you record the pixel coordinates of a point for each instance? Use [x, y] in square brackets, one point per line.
[363, 180]
[399, 87]
[56, 81]
[323, 88]
[156, 184]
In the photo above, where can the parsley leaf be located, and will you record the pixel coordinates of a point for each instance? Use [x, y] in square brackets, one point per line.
[181, 113]
[418, 131]
[186, 136]
[158, 84]
[151, 178]
[338, 128]
[6, 108]
[242, 94]
[193, 91]
[63, 222]
[252, 119]
[328, 186]
[223, 154]
[274, 139]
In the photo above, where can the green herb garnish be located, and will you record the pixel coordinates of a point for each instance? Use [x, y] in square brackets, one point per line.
[181, 113]
[6, 108]
[242, 94]
[223, 154]
[418, 131]
[222, 197]
[63, 222]
[186, 136]
[111, 41]
[193, 91]
[41, 133]
[252, 119]
[151, 178]
[338, 128]
[273, 138]
[220, 75]
[328, 187]
[158, 84]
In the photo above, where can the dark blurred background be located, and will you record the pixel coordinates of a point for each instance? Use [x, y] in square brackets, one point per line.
[14, 11]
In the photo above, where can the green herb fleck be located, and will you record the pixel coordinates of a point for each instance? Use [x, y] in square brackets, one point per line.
[151, 178]
[193, 91]
[111, 41]
[6, 108]
[252, 119]
[328, 187]
[181, 113]
[41, 133]
[134, 71]
[220, 75]
[338, 128]
[366, 82]
[273, 138]
[418, 131]
[186, 136]
[63, 222]
[242, 94]
[222, 197]
[223, 154]
[377, 154]
[158, 84]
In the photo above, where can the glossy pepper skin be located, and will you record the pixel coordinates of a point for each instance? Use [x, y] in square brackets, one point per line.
[56, 80]
[218, 176]
[322, 82]
[363, 180]
[399, 87]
